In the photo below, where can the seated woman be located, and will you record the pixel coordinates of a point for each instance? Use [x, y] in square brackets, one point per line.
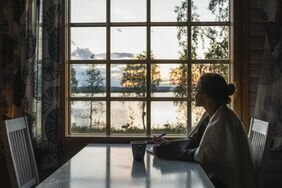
[223, 151]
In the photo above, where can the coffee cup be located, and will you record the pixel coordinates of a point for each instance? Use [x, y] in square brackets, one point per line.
[138, 149]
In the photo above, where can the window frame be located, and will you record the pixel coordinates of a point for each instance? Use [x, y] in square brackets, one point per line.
[234, 74]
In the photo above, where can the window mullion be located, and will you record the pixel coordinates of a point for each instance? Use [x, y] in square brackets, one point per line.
[148, 72]
[108, 69]
[189, 66]
[68, 69]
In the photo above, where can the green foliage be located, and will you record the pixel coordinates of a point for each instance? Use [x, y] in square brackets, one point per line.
[220, 8]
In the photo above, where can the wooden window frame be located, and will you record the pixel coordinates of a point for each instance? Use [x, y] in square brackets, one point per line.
[238, 65]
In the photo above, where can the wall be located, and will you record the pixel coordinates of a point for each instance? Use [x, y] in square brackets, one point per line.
[256, 44]
[272, 173]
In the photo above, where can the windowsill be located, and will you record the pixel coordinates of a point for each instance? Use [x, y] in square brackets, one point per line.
[111, 139]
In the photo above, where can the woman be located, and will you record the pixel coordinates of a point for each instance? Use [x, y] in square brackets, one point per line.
[223, 151]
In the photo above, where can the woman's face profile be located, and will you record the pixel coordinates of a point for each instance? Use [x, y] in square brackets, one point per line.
[198, 95]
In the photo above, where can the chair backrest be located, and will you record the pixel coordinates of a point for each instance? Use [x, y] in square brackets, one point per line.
[19, 153]
[260, 140]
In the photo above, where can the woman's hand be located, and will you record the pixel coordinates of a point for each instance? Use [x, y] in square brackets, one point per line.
[158, 140]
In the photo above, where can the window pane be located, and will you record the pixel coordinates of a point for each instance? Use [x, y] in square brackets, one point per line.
[169, 117]
[169, 80]
[128, 77]
[128, 117]
[199, 69]
[168, 10]
[210, 10]
[88, 117]
[210, 42]
[166, 44]
[128, 80]
[88, 43]
[88, 11]
[128, 42]
[88, 80]
[128, 10]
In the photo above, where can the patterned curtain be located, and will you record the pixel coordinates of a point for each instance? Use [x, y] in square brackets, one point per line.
[48, 82]
[30, 63]
[269, 97]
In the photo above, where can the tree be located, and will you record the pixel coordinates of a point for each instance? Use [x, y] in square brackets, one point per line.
[217, 49]
[134, 80]
[217, 46]
[218, 41]
[94, 84]
[74, 81]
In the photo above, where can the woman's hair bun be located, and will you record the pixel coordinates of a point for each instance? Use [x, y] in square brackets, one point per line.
[230, 89]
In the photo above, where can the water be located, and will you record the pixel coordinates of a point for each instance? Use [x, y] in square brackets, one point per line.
[129, 113]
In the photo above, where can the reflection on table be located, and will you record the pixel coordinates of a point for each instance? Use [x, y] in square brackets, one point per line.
[112, 166]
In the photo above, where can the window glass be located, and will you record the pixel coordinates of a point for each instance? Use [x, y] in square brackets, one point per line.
[168, 11]
[128, 117]
[128, 80]
[210, 10]
[169, 80]
[128, 42]
[169, 117]
[135, 71]
[88, 11]
[88, 117]
[88, 80]
[128, 10]
[88, 43]
[167, 44]
[210, 42]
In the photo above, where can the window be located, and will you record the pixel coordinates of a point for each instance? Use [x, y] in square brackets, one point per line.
[132, 65]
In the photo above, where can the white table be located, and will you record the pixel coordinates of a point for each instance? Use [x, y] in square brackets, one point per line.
[112, 166]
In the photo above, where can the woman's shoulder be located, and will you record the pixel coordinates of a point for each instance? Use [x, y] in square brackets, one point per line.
[226, 115]
[232, 114]
[232, 118]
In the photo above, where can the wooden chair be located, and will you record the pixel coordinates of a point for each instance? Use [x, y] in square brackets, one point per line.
[19, 154]
[260, 139]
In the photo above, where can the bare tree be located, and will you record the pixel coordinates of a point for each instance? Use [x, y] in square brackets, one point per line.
[94, 84]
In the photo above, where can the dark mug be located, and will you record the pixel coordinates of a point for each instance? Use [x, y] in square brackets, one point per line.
[138, 149]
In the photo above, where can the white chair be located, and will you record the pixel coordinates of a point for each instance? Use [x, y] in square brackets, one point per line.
[19, 154]
[259, 137]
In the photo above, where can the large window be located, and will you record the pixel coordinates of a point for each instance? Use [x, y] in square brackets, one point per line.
[132, 65]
